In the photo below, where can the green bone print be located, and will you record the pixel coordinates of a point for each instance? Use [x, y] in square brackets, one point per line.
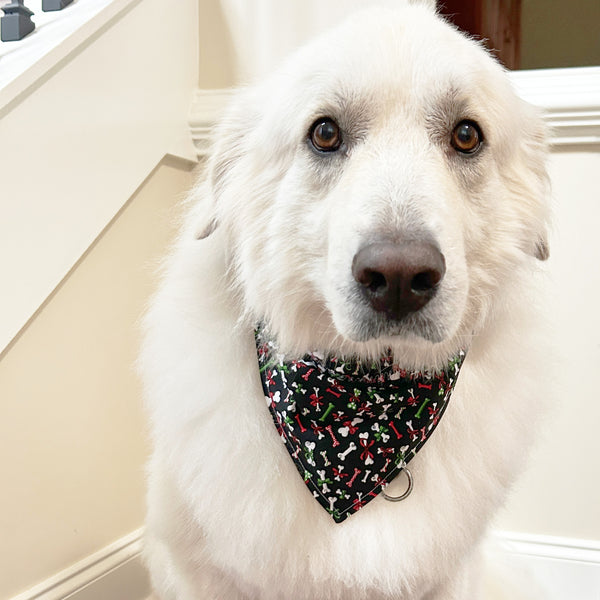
[327, 411]
[420, 411]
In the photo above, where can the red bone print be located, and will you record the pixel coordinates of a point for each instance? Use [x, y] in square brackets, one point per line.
[398, 434]
[330, 431]
[306, 375]
[354, 476]
[302, 428]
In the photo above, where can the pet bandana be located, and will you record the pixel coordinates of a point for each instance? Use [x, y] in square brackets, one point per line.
[351, 427]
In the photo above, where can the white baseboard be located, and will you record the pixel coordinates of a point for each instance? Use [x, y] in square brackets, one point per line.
[568, 569]
[113, 573]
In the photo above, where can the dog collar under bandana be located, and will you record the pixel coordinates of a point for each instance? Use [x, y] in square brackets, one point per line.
[351, 427]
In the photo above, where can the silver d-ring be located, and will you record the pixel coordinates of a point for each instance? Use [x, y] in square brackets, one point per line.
[406, 494]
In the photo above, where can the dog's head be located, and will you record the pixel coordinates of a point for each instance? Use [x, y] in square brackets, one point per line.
[381, 188]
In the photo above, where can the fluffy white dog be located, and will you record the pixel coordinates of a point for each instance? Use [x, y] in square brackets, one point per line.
[382, 195]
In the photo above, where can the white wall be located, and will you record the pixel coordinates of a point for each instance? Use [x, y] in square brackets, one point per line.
[262, 32]
[560, 493]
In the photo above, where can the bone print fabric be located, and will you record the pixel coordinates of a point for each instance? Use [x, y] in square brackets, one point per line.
[350, 428]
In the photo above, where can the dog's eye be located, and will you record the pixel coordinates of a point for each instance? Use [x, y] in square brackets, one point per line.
[325, 135]
[467, 137]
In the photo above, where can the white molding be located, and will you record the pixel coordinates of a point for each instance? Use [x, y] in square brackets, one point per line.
[552, 547]
[115, 572]
[563, 568]
[205, 111]
[570, 99]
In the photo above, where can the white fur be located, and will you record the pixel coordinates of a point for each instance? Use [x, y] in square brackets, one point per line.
[228, 515]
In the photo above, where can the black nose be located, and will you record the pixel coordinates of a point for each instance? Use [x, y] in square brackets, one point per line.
[399, 279]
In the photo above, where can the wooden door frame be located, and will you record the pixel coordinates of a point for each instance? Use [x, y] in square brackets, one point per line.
[496, 22]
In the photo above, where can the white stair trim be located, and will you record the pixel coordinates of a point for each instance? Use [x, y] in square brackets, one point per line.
[90, 578]
[570, 99]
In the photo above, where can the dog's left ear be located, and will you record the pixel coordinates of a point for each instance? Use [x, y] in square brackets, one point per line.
[542, 250]
[203, 229]
[528, 178]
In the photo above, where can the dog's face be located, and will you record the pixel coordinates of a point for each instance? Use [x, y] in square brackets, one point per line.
[381, 188]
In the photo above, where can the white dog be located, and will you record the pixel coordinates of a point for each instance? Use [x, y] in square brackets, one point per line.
[382, 195]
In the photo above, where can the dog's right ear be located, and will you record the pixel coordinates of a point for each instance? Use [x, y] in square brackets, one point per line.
[228, 145]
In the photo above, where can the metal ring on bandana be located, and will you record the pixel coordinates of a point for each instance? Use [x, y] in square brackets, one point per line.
[406, 493]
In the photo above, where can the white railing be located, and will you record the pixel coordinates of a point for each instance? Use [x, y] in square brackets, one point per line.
[17, 21]
[56, 35]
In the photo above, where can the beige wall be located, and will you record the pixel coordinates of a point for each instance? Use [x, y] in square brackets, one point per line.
[560, 493]
[71, 428]
[556, 33]
[217, 60]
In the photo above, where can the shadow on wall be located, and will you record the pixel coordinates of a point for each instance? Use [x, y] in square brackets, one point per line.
[217, 61]
[241, 41]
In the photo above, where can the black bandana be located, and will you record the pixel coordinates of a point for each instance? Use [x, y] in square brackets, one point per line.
[351, 427]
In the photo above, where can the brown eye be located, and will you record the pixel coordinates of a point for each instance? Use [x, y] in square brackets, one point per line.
[467, 137]
[325, 135]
